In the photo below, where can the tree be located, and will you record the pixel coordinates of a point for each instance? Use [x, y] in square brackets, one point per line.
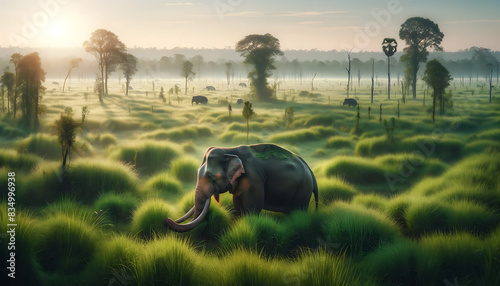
[73, 63]
[419, 34]
[187, 73]
[129, 67]
[15, 59]
[484, 59]
[438, 78]
[247, 114]
[389, 46]
[162, 95]
[259, 51]
[66, 128]
[8, 80]
[348, 69]
[106, 47]
[31, 75]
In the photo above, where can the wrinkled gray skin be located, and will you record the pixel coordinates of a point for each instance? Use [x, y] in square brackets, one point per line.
[263, 176]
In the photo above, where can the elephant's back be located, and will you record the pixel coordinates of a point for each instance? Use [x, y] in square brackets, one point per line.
[272, 152]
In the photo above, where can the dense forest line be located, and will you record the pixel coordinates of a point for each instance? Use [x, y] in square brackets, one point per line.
[295, 65]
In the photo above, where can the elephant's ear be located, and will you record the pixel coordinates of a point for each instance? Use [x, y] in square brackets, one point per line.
[234, 168]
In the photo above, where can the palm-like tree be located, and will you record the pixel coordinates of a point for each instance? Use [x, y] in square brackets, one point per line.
[389, 46]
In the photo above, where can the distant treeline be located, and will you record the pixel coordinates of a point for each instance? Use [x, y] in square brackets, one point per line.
[211, 63]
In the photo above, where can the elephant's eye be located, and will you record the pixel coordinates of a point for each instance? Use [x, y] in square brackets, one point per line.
[211, 177]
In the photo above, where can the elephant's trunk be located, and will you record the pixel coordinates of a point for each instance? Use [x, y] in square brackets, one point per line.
[200, 211]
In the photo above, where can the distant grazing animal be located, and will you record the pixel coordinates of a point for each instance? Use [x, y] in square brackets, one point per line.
[55, 83]
[210, 88]
[263, 176]
[242, 84]
[199, 99]
[350, 102]
[239, 101]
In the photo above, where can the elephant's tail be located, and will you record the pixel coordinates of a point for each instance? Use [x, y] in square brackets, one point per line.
[315, 190]
[315, 184]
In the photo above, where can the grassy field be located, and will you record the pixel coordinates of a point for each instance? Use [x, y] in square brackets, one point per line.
[423, 209]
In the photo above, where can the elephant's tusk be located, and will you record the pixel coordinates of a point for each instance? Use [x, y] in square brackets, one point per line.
[186, 216]
[190, 225]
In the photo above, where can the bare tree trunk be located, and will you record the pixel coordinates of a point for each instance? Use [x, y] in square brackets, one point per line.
[127, 82]
[433, 106]
[491, 78]
[373, 73]
[64, 84]
[312, 82]
[388, 77]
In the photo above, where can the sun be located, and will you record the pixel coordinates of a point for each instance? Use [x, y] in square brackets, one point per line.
[57, 28]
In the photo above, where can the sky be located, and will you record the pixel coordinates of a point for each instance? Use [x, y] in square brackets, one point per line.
[298, 24]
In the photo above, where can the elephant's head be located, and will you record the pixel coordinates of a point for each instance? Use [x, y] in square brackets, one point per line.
[216, 175]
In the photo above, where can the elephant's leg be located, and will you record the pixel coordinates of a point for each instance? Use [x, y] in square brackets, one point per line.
[253, 200]
[238, 206]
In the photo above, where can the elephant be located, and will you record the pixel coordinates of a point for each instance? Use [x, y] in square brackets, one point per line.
[199, 99]
[350, 102]
[242, 84]
[261, 176]
[210, 88]
[239, 101]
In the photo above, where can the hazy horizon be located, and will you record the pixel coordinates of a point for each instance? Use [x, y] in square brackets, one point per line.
[219, 24]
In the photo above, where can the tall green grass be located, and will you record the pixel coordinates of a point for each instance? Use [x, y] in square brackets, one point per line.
[40, 144]
[27, 268]
[147, 220]
[179, 134]
[146, 157]
[358, 231]
[331, 189]
[403, 263]
[118, 207]
[185, 169]
[162, 185]
[17, 162]
[445, 148]
[166, 261]
[114, 262]
[66, 244]
[83, 181]
[303, 135]
[262, 234]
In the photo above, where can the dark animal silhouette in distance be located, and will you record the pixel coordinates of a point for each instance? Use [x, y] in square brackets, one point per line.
[350, 102]
[199, 99]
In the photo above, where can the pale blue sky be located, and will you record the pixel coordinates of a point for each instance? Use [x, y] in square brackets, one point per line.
[310, 24]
